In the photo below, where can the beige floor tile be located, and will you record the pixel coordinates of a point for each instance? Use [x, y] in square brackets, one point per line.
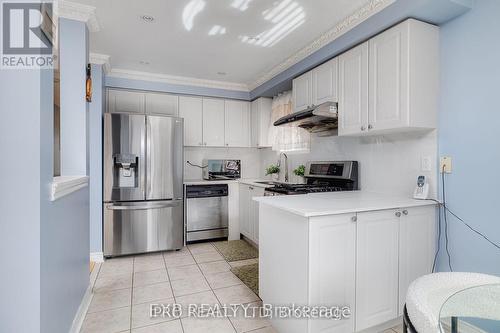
[115, 267]
[150, 277]
[189, 286]
[105, 284]
[207, 257]
[151, 293]
[177, 261]
[111, 321]
[110, 300]
[181, 252]
[398, 328]
[240, 294]
[240, 263]
[168, 327]
[149, 263]
[204, 325]
[251, 321]
[184, 272]
[193, 300]
[215, 267]
[221, 280]
[268, 329]
[141, 313]
[202, 248]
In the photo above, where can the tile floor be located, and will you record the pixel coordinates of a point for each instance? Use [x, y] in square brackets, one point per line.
[125, 287]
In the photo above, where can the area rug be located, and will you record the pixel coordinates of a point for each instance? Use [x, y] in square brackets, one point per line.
[236, 250]
[249, 275]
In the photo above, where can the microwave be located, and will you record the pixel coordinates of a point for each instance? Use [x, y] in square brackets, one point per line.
[221, 169]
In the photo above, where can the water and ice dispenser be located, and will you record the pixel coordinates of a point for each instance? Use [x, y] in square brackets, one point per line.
[126, 171]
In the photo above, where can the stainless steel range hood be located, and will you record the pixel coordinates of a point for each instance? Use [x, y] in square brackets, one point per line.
[321, 119]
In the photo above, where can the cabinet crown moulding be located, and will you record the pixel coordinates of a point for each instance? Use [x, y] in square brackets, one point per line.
[78, 12]
[101, 59]
[370, 8]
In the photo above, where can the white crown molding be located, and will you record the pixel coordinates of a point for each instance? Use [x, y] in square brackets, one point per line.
[370, 8]
[172, 79]
[101, 59]
[78, 12]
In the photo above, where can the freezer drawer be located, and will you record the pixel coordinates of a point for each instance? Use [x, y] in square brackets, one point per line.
[147, 226]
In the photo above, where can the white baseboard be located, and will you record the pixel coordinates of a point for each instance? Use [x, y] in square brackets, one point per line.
[97, 256]
[82, 311]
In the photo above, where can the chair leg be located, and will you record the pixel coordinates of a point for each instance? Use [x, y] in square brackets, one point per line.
[454, 325]
[405, 328]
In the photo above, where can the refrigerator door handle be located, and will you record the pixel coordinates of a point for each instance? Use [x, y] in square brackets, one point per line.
[148, 157]
[168, 204]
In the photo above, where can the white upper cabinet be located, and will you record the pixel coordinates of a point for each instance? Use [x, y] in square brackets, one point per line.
[398, 89]
[191, 109]
[237, 123]
[162, 104]
[302, 92]
[213, 122]
[353, 90]
[261, 121]
[325, 82]
[125, 101]
[377, 268]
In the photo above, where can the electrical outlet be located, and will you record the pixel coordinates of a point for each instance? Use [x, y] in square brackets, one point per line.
[445, 164]
[425, 163]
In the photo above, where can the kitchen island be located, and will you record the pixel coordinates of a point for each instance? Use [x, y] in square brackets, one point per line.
[357, 249]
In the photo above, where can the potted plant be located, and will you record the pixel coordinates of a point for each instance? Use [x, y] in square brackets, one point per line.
[299, 172]
[273, 170]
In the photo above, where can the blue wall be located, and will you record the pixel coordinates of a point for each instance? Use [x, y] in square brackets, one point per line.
[469, 133]
[96, 109]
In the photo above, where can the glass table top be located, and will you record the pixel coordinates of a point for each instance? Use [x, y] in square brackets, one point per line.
[475, 309]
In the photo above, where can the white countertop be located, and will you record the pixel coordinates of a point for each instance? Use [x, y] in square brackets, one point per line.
[319, 204]
[253, 182]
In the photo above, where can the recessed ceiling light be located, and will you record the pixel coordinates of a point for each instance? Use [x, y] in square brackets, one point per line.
[221, 73]
[147, 18]
[142, 62]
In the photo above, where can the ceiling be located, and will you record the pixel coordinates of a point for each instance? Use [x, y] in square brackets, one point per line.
[212, 39]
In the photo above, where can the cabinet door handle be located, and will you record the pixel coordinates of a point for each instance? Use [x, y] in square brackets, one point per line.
[398, 214]
[370, 126]
[405, 212]
[363, 128]
[354, 219]
[250, 187]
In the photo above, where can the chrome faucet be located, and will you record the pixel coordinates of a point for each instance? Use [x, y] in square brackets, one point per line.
[285, 166]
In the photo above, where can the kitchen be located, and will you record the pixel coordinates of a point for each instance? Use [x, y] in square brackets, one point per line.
[292, 160]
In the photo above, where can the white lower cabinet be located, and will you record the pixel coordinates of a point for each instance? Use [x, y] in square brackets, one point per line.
[365, 261]
[376, 268]
[249, 211]
[332, 249]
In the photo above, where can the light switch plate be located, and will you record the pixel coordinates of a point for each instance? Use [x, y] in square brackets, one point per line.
[445, 164]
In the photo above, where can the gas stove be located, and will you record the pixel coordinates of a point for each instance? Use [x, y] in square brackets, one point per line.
[321, 177]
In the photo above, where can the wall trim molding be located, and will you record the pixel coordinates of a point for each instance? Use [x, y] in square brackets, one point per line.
[360, 15]
[173, 79]
[97, 257]
[78, 12]
[101, 59]
[82, 310]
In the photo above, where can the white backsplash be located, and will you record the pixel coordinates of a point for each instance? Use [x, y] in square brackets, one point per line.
[387, 164]
[250, 160]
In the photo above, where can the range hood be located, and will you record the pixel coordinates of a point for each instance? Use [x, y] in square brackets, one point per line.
[321, 119]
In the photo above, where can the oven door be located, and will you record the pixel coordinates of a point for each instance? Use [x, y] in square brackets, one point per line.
[206, 218]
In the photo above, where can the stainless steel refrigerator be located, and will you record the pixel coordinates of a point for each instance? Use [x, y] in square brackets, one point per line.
[143, 184]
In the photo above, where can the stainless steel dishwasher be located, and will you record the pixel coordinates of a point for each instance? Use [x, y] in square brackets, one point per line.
[206, 212]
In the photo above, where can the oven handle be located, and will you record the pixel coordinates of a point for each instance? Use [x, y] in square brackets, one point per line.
[168, 204]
